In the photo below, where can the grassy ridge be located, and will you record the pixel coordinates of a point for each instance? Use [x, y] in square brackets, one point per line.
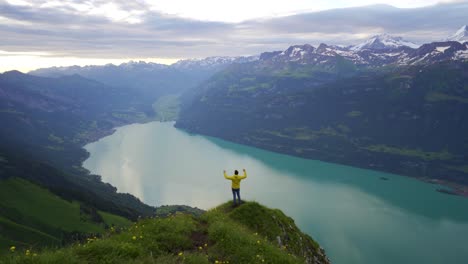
[32, 201]
[31, 216]
[21, 235]
[249, 233]
[50, 120]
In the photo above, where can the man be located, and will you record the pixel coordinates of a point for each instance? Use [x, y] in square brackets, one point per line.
[236, 179]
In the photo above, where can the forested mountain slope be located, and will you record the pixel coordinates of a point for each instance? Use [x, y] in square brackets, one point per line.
[407, 119]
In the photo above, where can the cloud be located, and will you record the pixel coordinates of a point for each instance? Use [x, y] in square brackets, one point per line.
[350, 25]
[132, 29]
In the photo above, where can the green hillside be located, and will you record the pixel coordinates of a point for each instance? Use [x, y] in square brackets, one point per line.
[408, 120]
[31, 216]
[49, 120]
[250, 233]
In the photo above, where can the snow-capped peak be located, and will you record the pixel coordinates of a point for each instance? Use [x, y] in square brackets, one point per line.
[297, 52]
[140, 64]
[461, 35]
[214, 61]
[384, 41]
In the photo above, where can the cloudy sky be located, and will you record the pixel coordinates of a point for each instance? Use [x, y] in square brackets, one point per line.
[44, 33]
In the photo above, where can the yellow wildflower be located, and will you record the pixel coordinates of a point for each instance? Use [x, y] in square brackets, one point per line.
[28, 252]
[141, 237]
[12, 248]
[200, 248]
[206, 245]
[258, 241]
[34, 255]
[181, 253]
[216, 261]
[134, 237]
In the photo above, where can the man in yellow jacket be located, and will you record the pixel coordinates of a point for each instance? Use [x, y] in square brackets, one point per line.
[236, 179]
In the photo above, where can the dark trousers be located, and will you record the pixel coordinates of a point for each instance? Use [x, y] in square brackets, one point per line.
[234, 193]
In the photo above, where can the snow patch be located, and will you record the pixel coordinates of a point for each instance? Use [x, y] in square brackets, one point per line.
[384, 41]
[442, 49]
[461, 55]
[295, 51]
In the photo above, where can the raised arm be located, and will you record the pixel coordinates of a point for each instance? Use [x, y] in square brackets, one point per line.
[245, 174]
[227, 177]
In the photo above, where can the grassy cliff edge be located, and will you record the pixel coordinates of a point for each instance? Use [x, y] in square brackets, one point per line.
[250, 233]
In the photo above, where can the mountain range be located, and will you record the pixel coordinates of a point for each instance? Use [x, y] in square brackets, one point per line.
[385, 104]
[384, 62]
[378, 51]
[298, 69]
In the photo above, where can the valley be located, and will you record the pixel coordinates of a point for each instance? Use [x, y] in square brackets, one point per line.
[385, 104]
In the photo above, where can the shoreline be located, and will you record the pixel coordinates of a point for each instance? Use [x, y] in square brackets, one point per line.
[102, 133]
[454, 188]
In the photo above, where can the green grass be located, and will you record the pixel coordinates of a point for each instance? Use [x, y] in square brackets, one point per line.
[248, 79]
[167, 108]
[459, 168]
[115, 220]
[354, 114]
[302, 133]
[11, 111]
[303, 72]
[55, 139]
[294, 74]
[306, 134]
[20, 235]
[415, 153]
[165, 210]
[343, 128]
[269, 224]
[248, 87]
[245, 234]
[55, 148]
[293, 133]
[438, 97]
[35, 202]
[32, 216]
[398, 78]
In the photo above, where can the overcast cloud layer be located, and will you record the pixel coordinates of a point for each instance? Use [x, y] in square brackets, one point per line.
[126, 29]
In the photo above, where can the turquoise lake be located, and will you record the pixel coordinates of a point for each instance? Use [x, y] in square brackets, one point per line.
[355, 215]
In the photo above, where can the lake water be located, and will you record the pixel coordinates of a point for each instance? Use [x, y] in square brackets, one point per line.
[356, 216]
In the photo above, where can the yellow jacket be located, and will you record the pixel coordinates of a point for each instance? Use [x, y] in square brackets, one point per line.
[236, 179]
